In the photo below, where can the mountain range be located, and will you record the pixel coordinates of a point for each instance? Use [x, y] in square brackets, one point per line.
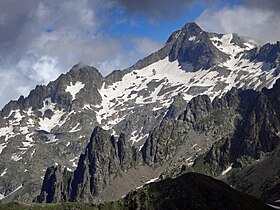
[205, 103]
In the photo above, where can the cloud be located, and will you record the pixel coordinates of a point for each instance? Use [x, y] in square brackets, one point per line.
[252, 18]
[158, 9]
[40, 39]
[146, 46]
[273, 5]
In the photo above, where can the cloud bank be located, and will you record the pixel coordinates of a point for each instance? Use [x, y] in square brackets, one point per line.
[40, 39]
[257, 19]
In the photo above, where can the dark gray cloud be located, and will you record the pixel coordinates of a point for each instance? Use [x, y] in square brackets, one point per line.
[273, 5]
[158, 9]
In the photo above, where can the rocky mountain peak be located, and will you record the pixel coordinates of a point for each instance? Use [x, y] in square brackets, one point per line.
[192, 27]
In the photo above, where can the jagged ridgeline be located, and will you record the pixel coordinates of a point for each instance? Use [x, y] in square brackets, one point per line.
[197, 104]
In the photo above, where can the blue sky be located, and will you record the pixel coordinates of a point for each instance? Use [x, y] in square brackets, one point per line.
[41, 39]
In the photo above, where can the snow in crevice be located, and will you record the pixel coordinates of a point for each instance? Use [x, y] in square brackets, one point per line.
[75, 129]
[73, 89]
[152, 180]
[228, 169]
[88, 107]
[28, 140]
[32, 153]
[2, 147]
[273, 206]
[2, 196]
[4, 172]
[16, 157]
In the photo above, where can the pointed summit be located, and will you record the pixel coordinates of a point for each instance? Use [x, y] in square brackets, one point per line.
[192, 28]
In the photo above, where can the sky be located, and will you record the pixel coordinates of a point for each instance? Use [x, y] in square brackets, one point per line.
[40, 39]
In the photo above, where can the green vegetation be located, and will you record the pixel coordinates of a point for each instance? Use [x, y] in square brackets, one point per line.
[33, 206]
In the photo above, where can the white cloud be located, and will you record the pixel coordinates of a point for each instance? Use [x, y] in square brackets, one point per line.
[42, 39]
[146, 46]
[261, 24]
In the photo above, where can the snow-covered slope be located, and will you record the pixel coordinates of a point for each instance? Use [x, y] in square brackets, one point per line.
[53, 124]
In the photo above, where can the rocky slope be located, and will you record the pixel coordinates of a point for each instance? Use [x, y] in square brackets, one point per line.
[187, 191]
[53, 124]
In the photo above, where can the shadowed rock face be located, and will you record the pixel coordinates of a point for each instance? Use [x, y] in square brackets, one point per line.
[189, 191]
[103, 158]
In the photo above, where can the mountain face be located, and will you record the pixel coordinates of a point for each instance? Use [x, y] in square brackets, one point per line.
[181, 105]
[213, 138]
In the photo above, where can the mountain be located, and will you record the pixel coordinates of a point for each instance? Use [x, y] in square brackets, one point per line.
[174, 106]
[213, 138]
[187, 191]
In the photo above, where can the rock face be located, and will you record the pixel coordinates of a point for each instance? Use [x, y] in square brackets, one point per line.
[206, 137]
[103, 158]
[172, 106]
[256, 135]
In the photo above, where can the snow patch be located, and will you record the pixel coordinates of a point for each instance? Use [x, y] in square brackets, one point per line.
[87, 107]
[152, 180]
[75, 129]
[73, 89]
[23, 130]
[4, 172]
[2, 146]
[227, 170]
[273, 206]
[192, 38]
[33, 152]
[47, 104]
[15, 157]
[51, 138]
[2, 196]
[47, 124]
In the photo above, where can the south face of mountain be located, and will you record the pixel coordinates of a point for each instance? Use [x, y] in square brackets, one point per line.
[54, 123]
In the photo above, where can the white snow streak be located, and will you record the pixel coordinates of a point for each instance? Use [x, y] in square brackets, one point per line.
[16, 157]
[4, 172]
[75, 129]
[2, 196]
[227, 170]
[151, 180]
